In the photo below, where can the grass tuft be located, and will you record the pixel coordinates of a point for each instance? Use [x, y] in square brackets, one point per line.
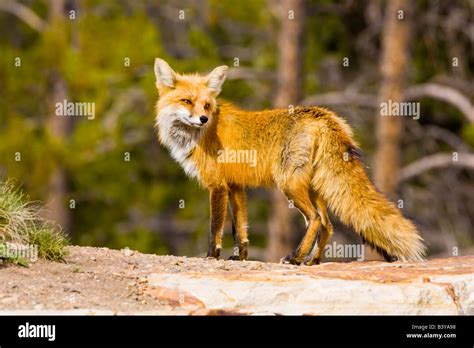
[21, 223]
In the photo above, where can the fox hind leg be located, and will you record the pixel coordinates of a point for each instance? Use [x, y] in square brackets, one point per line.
[325, 234]
[302, 200]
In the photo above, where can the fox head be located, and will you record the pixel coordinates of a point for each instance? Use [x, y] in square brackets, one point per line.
[187, 99]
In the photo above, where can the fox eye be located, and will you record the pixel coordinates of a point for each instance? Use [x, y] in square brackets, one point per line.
[207, 106]
[187, 101]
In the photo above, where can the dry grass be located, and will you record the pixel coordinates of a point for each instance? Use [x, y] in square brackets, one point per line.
[21, 222]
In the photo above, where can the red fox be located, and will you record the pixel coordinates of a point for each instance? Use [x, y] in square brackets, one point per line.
[308, 153]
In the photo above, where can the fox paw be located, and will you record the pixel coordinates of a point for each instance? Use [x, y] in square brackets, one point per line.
[237, 258]
[312, 262]
[213, 254]
[290, 259]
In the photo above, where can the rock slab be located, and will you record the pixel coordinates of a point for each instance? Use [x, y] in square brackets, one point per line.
[101, 281]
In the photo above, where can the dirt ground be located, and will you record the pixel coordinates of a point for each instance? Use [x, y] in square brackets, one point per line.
[102, 279]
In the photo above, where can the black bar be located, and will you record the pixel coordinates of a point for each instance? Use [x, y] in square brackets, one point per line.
[328, 330]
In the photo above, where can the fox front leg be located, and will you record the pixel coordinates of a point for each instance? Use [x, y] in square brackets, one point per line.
[219, 198]
[238, 201]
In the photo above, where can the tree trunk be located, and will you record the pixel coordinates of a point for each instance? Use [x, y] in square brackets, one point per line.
[395, 59]
[58, 128]
[291, 14]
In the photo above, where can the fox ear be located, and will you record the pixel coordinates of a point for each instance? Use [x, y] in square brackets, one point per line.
[216, 78]
[165, 76]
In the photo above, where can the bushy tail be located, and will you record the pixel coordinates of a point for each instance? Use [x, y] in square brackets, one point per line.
[340, 178]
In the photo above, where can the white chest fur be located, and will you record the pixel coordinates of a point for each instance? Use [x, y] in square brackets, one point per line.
[180, 139]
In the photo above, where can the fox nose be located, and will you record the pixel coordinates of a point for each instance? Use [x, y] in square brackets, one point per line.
[203, 119]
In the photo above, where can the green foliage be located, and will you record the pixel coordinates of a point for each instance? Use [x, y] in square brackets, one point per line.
[468, 134]
[50, 240]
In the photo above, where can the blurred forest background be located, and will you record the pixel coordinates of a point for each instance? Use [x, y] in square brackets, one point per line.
[108, 182]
